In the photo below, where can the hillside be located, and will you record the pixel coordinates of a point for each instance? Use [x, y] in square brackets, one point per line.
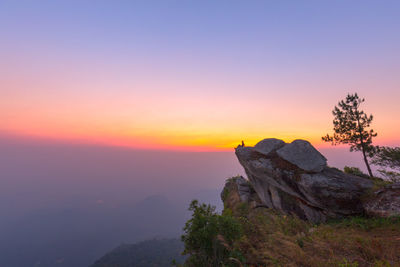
[295, 210]
[150, 253]
[292, 210]
[271, 238]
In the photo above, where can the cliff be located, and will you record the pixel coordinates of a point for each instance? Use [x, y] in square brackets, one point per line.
[295, 179]
[291, 210]
[297, 211]
[272, 238]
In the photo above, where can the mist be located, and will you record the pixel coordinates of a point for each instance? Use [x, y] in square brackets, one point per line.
[67, 204]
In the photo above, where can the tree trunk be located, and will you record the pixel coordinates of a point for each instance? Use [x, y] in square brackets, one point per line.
[366, 163]
[362, 142]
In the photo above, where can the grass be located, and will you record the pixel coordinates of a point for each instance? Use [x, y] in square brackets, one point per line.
[281, 240]
[274, 239]
[365, 223]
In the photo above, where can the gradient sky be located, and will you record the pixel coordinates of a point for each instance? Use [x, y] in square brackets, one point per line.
[195, 75]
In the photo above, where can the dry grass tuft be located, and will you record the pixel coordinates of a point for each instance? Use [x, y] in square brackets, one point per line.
[273, 239]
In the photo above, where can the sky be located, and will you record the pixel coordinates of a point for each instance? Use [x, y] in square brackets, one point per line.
[194, 75]
[112, 109]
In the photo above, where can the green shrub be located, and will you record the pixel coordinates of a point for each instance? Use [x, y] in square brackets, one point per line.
[209, 237]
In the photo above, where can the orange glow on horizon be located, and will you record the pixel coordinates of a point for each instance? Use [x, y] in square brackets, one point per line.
[150, 115]
[174, 143]
[154, 89]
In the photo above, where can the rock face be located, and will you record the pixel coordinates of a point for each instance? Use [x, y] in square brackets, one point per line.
[385, 203]
[245, 190]
[295, 179]
[238, 191]
[267, 145]
[302, 154]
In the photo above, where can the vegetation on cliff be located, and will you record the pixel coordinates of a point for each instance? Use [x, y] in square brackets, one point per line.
[350, 126]
[270, 238]
[388, 159]
[210, 239]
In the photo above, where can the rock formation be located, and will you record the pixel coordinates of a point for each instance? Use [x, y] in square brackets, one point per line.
[385, 202]
[295, 179]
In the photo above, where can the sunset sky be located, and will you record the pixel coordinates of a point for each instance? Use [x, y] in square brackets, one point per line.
[198, 76]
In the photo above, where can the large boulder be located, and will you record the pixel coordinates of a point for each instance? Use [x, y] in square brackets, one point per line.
[267, 145]
[302, 154]
[295, 179]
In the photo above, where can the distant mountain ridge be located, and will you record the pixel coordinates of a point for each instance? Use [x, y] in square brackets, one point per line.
[149, 253]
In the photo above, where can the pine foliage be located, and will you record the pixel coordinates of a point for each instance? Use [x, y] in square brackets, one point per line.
[351, 126]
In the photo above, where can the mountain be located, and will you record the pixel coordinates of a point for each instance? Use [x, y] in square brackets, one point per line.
[150, 253]
[295, 210]
[78, 234]
[291, 210]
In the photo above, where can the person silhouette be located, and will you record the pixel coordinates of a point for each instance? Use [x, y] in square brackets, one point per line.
[241, 145]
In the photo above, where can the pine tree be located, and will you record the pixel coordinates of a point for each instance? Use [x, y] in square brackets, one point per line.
[389, 159]
[350, 126]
